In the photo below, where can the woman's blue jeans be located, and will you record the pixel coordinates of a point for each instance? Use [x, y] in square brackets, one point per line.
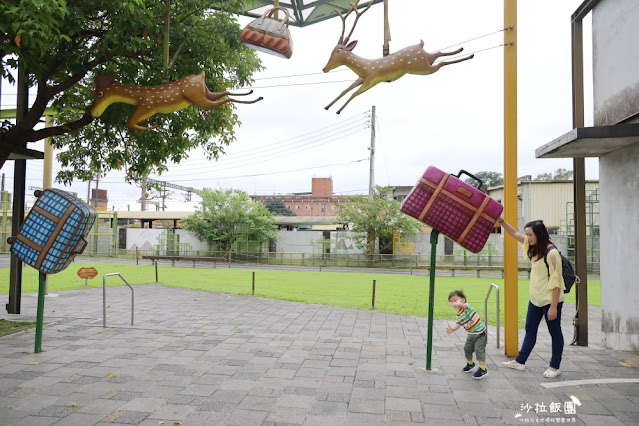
[533, 318]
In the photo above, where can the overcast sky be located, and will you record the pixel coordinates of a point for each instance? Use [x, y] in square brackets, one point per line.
[452, 119]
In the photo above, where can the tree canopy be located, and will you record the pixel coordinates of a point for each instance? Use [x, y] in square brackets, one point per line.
[61, 46]
[559, 174]
[277, 207]
[490, 179]
[376, 219]
[227, 214]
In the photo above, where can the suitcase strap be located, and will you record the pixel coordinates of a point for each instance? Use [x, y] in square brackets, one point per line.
[433, 197]
[54, 234]
[473, 220]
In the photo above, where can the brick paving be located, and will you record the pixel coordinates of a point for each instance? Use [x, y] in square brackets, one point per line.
[202, 358]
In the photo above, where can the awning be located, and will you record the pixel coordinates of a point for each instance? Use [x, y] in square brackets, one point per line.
[590, 141]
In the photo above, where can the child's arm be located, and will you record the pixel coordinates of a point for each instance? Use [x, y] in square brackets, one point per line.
[452, 329]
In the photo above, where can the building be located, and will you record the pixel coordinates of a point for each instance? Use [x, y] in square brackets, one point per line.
[319, 202]
[614, 139]
[551, 201]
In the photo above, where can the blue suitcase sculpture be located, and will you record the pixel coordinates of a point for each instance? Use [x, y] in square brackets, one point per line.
[54, 231]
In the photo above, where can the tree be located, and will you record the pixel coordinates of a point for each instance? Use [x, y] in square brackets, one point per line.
[490, 179]
[563, 174]
[227, 214]
[276, 207]
[61, 46]
[560, 174]
[376, 218]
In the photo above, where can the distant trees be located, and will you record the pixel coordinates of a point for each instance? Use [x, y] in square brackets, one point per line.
[489, 178]
[376, 219]
[560, 174]
[277, 207]
[227, 214]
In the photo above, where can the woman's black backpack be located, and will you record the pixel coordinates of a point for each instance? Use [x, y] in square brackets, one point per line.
[567, 271]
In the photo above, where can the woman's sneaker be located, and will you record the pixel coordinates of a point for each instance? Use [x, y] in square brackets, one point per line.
[480, 373]
[514, 364]
[469, 367]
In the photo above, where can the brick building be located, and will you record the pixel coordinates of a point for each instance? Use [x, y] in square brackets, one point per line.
[319, 202]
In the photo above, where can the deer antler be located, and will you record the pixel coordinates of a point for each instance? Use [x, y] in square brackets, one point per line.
[343, 40]
[354, 8]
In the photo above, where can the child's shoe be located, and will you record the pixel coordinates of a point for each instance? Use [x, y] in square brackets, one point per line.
[480, 373]
[469, 367]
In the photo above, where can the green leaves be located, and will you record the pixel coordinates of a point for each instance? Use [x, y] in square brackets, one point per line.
[228, 214]
[376, 219]
[64, 45]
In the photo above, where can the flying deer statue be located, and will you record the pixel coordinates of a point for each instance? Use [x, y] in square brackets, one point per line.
[410, 60]
[165, 98]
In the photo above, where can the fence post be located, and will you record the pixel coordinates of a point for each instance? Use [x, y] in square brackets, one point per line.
[229, 259]
[253, 283]
[156, 270]
[136, 257]
[373, 294]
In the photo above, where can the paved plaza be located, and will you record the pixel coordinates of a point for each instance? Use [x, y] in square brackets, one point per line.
[202, 358]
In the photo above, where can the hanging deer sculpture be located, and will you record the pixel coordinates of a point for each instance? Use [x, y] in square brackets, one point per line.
[165, 98]
[410, 60]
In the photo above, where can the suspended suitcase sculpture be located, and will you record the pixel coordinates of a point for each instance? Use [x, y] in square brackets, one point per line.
[269, 35]
[456, 209]
[54, 231]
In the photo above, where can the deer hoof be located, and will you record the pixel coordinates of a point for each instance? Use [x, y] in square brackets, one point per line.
[326, 108]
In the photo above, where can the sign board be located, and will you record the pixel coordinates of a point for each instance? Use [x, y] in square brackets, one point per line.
[87, 273]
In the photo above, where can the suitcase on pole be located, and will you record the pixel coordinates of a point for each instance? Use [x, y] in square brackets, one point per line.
[456, 209]
[54, 231]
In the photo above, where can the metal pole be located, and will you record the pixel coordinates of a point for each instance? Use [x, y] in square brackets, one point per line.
[40, 314]
[19, 187]
[371, 175]
[374, 294]
[511, 326]
[253, 284]
[156, 270]
[431, 295]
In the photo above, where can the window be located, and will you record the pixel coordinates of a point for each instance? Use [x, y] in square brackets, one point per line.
[553, 230]
[297, 207]
[307, 207]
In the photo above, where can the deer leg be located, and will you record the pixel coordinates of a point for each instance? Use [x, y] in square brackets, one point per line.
[351, 87]
[465, 58]
[138, 116]
[208, 104]
[432, 57]
[214, 96]
[362, 89]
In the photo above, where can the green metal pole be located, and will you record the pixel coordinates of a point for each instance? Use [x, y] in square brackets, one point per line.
[431, 295]
[40, 316]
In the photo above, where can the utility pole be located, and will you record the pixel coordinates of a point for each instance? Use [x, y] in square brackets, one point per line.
[143, 196]
[371, 175]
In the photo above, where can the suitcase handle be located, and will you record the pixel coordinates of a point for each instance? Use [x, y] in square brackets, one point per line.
[481, 182]
[79, 248]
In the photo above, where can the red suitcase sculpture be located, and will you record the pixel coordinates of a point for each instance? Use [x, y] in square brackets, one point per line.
[456, 209]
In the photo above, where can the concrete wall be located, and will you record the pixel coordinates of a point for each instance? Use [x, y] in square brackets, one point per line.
[619, 212]
[147, 239]
[615, 61]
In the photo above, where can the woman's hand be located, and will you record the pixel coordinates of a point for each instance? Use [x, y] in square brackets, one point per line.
[552, 313]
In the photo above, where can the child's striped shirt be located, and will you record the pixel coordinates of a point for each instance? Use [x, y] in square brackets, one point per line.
[469, 319]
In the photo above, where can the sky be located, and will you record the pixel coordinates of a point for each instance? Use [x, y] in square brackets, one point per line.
[452, 119]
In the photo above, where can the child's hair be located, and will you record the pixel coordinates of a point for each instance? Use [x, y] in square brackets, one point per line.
[457, 293]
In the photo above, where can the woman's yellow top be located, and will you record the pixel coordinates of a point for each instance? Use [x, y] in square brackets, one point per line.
[541, 285]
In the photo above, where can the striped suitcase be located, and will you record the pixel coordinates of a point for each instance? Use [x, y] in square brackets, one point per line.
[54, 231]
[449, 205]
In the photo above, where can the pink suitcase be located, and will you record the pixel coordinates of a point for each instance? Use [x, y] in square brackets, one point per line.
[449, 205]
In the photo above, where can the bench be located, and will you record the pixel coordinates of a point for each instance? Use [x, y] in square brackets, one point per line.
[477, 268]
[194, 259]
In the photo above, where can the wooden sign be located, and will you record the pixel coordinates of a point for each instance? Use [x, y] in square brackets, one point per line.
[87, 273]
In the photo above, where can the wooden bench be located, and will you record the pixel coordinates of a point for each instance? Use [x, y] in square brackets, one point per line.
[477, 268]
[194, 259]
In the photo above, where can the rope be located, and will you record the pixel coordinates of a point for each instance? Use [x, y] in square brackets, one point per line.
[476, 38]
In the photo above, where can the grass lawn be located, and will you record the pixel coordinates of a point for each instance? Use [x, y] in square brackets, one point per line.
[10, 327]
[401, 294]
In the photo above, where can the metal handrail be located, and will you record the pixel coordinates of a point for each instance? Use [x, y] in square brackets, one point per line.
[104, 296]
[486, 309]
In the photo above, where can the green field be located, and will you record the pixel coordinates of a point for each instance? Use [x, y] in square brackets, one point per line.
[400, 294]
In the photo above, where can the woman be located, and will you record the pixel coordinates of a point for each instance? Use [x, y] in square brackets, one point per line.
[546, 293]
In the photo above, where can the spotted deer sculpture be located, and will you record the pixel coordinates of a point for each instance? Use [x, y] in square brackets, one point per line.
[410, 60]
[165, 98]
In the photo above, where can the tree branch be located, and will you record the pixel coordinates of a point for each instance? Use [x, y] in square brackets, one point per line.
[48, 132]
